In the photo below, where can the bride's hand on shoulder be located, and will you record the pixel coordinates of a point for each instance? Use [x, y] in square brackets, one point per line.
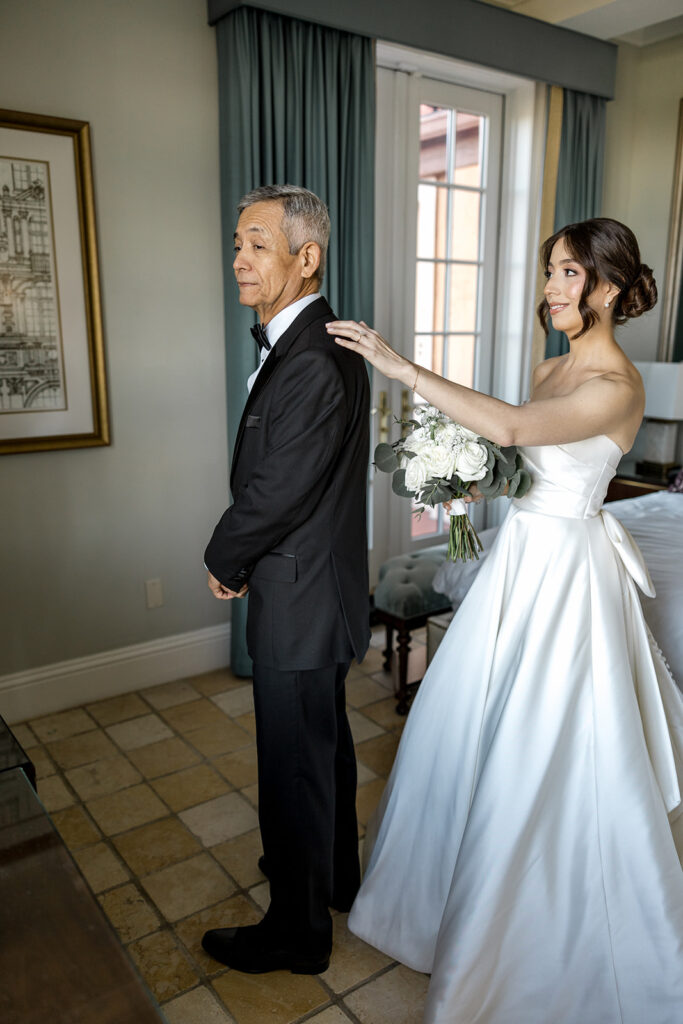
[358, 337]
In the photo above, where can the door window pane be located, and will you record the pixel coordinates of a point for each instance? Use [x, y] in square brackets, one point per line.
[460, 358]
[465, 228]
[462, 297]
[468, 146]
[435, 130]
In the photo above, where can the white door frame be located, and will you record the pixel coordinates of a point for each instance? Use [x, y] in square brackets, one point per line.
[503, 367]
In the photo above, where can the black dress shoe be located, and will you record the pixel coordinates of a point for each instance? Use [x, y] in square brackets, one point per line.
[252, 951]
[341, 903]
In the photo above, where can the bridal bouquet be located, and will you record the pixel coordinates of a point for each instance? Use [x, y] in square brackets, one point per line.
[438, 460]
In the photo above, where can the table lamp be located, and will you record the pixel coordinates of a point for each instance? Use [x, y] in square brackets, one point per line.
[663, 411]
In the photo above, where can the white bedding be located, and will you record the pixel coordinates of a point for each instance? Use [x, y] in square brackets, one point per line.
[656, 522]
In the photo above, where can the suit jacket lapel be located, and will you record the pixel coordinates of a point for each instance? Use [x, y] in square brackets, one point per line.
[312, 312]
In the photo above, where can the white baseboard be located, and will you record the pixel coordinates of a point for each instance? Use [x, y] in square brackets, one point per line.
[66, 684]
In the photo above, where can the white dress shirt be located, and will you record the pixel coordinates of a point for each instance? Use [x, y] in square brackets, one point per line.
[277, 327]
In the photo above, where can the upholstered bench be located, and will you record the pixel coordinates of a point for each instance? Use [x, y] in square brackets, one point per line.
[404, 599]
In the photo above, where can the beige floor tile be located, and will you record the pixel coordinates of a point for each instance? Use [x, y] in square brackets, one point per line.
[163, 966]
[198, 714]
[397, 997]
[103, 777]
[42, 762]
[260, 894]
[163, 757]
[129, 912]
[220, 738]
[373, 661]
[54, 793]
[364, 774]
[117, 709]
[352, 960]
[218, 681]
[139, 732]
[385, 680]
[354, 672]
[250, 793]
[81, 749]
[196, 1007]
[155, 846]
[240, 767]
[62, 725]
[240, 857]
[191, 786]
[239, 701]
[24, 735]
[232, 913]
[185, 888]
[364, 690]
[181, 691]
[361, 727]
[277, 998]
[379, 753]
[75, 827]
[102, 868]
[367, 799]
[332, 1015]
[384, 713]
[126, 809]
[247, 722]
[217, 820]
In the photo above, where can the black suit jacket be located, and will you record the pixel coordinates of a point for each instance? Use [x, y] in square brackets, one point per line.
[296, 531]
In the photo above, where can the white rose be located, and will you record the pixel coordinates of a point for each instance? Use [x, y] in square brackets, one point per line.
[417, 473]
[440, 461]
[416, 439]
[470, 461]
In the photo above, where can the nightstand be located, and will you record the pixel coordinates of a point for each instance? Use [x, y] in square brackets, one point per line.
[629, 484]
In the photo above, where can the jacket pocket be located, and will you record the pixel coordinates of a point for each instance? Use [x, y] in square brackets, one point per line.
[276, 567]
[253, 421]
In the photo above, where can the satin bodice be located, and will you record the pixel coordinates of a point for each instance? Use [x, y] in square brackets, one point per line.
[570, 480]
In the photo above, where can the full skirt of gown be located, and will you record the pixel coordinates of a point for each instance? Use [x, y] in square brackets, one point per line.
[527, 849]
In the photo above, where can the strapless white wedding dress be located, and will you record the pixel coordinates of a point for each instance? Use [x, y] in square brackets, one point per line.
[527, 851]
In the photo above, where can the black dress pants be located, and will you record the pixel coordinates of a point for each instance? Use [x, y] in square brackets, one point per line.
[307, 801]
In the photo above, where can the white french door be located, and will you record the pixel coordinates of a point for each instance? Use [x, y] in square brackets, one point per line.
[437, 216]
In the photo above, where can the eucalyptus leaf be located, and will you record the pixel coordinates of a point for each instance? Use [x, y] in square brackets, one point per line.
[386, 458]
[398, 484]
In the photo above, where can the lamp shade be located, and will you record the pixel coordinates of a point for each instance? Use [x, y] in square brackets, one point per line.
[663, 390]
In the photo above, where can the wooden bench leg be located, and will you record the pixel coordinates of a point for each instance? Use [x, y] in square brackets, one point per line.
[402, 706]
[389, 649]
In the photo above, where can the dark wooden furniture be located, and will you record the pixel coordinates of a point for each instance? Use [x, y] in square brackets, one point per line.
[404, 687]
[13, 755]
[628, 483]
[60, 960]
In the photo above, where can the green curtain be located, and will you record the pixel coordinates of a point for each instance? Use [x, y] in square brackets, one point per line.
[580, 173]
[297, 106]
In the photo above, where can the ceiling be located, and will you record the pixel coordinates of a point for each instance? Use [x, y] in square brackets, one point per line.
[639, 22]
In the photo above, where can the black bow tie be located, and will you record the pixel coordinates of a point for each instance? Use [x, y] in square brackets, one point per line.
[259, 334]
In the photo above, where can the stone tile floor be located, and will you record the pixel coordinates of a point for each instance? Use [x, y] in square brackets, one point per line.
[155, 795]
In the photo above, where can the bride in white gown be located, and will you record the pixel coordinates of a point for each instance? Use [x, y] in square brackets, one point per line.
[527, 849]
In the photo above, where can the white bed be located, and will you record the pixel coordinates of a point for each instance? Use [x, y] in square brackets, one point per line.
[656, 523]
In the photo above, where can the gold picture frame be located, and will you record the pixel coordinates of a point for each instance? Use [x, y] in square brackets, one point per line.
[670, 343]
[53, 387]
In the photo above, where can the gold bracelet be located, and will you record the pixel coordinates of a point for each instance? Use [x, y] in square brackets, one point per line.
[417, 377]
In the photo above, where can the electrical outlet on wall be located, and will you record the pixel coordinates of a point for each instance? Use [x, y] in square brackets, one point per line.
[155, 593]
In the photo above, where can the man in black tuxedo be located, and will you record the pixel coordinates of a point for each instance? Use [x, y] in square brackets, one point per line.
[295, 537]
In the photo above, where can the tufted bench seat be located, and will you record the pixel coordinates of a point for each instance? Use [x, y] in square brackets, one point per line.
[404, 599]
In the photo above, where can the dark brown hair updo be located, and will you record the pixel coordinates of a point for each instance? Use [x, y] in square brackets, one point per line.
[608, 251]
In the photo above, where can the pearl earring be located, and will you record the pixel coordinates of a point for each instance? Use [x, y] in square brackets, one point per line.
[607, 305]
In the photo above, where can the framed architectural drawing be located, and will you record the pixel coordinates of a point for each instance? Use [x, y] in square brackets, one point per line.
[53, 390]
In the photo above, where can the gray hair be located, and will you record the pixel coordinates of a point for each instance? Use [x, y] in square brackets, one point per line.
[304, 216]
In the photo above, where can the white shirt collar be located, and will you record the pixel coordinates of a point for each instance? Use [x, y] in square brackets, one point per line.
[277, 327]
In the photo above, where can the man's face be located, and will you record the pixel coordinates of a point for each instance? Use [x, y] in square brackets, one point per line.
[268, 276]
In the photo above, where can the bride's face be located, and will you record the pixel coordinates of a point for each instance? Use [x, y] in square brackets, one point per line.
[565, 280]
